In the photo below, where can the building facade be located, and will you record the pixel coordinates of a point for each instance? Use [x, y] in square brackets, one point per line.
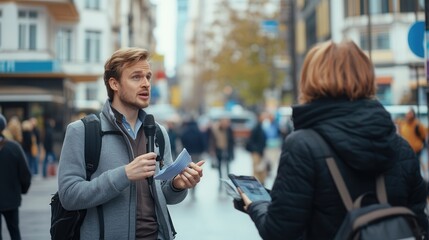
[52, 53]
[382, 34]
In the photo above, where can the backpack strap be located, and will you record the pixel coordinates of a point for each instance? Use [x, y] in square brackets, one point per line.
[92, 143]
[339, 183]
[333, 169]
[93, 136]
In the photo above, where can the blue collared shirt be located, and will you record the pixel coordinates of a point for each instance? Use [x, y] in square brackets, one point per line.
[127, 126]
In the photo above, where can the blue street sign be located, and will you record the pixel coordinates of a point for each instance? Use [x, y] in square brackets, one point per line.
[18, 66]
[416, 38]
[270, 26]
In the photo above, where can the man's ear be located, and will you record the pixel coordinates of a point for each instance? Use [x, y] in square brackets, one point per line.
[113, 83]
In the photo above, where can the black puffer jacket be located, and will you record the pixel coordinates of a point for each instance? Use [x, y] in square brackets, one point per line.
[15, 176]
[305, 203]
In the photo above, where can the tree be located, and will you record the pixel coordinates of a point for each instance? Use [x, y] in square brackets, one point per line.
[238, 53]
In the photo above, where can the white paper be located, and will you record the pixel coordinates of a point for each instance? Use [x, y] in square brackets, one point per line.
[230, 188]
[181, 162]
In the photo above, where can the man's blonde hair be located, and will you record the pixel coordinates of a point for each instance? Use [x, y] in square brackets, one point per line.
[332, 70]
[118, 61]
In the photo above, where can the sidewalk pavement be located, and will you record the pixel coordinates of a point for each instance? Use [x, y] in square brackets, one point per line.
[210, 215]
[35, 211]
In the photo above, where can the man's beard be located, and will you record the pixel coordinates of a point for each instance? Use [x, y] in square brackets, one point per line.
[126, 100]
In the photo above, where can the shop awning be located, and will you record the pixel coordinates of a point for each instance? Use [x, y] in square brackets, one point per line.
[61, 10]
[384, 80]
[29, 94]
[76, 78]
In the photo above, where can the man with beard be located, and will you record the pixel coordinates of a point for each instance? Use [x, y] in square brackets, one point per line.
[133, 207]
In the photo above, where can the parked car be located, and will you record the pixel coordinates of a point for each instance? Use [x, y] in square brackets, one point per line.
[242, 121]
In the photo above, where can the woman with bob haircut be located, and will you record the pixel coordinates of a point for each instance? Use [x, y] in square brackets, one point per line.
[337, 100]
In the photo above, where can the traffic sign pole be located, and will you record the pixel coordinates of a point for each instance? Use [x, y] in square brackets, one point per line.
[426, 48]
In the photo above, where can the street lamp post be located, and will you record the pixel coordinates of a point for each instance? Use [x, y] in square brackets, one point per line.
[292, 46]
[369, 28]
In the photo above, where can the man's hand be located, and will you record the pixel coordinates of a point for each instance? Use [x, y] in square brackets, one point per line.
[141, 167]
[189, 177]
[246, 199]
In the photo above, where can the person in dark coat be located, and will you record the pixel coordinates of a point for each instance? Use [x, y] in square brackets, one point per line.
[192, 139]
[15, 179]
[29, 141]
[48, 144]
[256, 146]
[337, 100]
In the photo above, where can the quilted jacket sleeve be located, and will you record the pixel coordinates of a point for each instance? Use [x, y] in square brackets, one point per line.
[290, 210]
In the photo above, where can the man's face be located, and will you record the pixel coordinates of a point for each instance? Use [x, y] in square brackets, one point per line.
[410, 116]
[133, 90]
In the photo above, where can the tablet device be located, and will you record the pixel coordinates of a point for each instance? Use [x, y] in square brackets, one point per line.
[251, 187]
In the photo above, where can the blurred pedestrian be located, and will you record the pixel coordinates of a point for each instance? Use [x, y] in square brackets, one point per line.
[223, 143]
[209, 143]
[15, 179]
[192, 139]
[48, 144]
[29, 145]
[36, 133]
[337, 100]
[256, 144]
[13, 130]
[134, 205]
[413, 131]
[273, 134]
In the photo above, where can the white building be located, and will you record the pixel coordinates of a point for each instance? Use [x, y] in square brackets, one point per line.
[52, 53]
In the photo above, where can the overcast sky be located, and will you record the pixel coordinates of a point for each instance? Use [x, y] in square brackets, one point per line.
[165, 32]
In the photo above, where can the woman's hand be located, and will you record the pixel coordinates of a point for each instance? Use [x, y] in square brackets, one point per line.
[246, 199]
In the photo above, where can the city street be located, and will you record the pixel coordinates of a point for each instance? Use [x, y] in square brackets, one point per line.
[210, 215]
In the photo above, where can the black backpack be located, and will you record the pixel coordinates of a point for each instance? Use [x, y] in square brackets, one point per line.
[66, 224]
[375, 221]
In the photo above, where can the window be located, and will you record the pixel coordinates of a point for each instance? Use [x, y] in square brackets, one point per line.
[379, 41]
[92, 4]
[310, 30]
[379, 6]
[92, 46]
[27, 29]
[358, 8]
[64, 44]
[91, 92]
[22, 36]
[408, 6]
[382, 41]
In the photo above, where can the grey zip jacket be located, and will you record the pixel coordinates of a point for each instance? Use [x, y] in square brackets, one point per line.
[109, 184]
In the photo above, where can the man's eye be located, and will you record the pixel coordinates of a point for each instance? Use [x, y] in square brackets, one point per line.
[136, 77]
[148, 77]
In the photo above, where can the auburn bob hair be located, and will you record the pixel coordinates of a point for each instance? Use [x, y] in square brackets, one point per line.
[332, 70]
